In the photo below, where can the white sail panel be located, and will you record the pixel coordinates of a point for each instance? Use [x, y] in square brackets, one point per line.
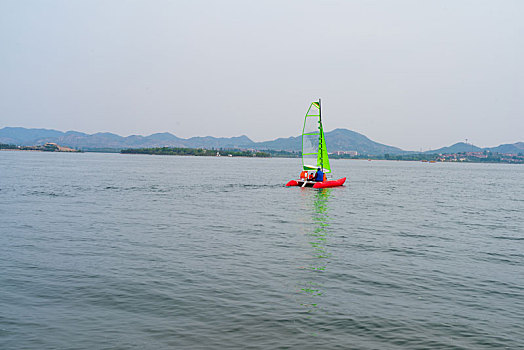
[310, 138]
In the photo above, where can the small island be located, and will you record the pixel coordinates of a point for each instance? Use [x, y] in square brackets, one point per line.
[47, 147]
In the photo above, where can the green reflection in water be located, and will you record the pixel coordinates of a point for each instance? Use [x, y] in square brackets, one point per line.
[317, 235]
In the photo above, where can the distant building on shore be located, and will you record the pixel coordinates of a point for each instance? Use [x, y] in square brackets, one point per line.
[351, 153]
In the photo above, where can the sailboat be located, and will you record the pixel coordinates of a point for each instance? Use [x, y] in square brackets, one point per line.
[314, 151]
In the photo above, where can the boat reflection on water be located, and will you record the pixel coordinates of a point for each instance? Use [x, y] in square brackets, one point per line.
[317, 233]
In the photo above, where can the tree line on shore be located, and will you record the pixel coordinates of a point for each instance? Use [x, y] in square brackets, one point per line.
[468, 157]
[178, 151]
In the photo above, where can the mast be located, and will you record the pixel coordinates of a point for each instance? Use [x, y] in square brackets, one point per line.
[321, 135]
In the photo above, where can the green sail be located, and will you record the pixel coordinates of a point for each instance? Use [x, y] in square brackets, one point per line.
[322, 157]
[314, 151]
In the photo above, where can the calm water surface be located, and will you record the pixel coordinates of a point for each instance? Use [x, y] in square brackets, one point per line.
[101, 251]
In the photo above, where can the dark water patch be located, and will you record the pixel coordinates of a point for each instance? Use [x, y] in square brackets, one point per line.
[510, 238]
[47, 194]
[510, 259]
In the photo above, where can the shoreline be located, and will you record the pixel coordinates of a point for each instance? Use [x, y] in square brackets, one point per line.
[376, 158]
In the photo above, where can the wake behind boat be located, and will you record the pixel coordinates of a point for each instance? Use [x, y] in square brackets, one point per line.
[314, 153]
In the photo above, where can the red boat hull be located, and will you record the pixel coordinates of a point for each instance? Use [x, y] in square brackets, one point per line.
[323, 184]
[292, 183]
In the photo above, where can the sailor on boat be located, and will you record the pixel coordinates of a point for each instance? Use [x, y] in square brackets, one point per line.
[319, 175]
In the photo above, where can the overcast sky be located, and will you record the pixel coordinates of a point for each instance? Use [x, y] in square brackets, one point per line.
[412, 74]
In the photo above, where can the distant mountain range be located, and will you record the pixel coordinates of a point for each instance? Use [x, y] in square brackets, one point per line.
[337, 140]
[513, 148]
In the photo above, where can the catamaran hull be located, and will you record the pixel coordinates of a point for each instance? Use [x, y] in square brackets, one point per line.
[323, 184]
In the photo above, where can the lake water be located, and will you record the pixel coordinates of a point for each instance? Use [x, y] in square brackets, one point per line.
[103, 251]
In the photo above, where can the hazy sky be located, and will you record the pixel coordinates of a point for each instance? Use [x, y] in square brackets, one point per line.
[413, 74]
